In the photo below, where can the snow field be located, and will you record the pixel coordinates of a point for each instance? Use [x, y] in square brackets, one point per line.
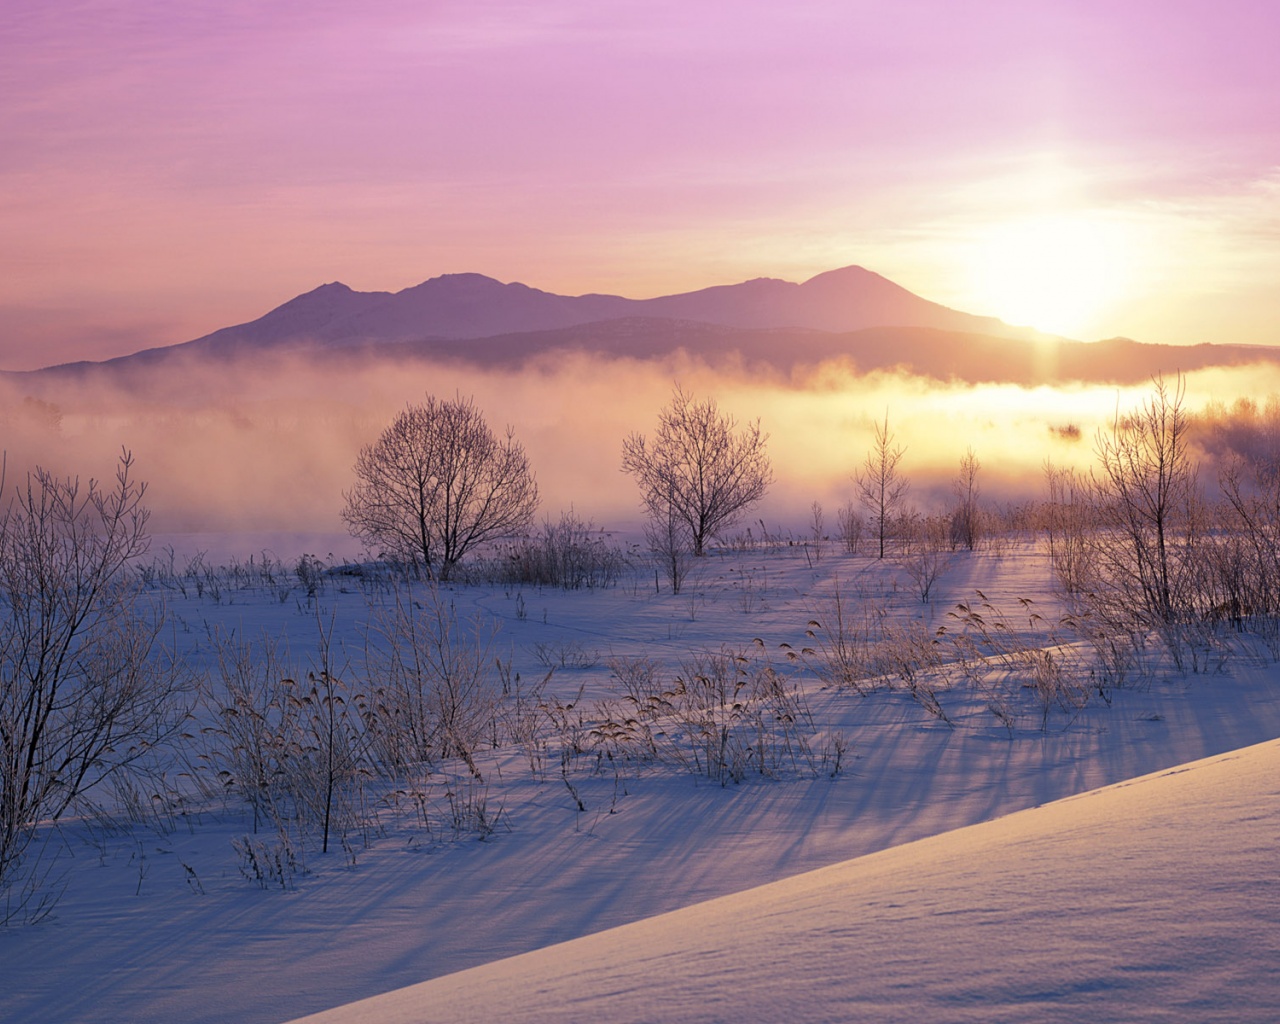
[159, 924]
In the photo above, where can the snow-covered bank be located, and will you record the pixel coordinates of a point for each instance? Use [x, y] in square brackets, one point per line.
[1154, 899]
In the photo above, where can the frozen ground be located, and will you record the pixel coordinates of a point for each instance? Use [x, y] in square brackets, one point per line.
[158, 923]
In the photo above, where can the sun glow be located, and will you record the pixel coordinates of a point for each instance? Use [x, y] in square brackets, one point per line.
[1058, 272]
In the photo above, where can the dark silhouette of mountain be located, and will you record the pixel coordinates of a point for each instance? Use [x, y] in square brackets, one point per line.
[465, 306]
[851, 314]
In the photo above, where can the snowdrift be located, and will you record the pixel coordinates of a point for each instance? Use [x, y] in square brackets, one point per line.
[1153, 899]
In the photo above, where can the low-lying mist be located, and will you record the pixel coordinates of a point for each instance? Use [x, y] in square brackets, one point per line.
[267, 444]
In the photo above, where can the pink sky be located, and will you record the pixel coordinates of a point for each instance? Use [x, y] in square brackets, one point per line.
[1092, 168]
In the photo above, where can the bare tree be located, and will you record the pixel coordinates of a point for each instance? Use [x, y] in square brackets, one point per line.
[817, 527]
[670, 545]
[964, 518]
[1148, 493]
[437, 483]
[85, 692]
[699, 471]
[882, 489]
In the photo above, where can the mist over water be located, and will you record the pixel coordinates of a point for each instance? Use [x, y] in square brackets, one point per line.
[257, 453]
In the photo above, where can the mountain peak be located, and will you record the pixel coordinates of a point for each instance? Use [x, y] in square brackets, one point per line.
[851, 271]
[852, 276]
[333, 291]
[465, 278]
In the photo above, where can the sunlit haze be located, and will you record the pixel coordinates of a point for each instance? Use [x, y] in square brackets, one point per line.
[1063, 273]
[1085, 168]
[269, 449]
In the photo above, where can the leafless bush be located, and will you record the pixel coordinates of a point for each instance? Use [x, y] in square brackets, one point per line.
[433, 687]
[752, 587]
[1005, 523]
[858, 646]
[850, 526]
[736, 716]
[1246, 433]
[1133, 544]
[925, 554]
[1069, 521]
[626, 728]
[880, 653]
[640, 679]
[905, 650]
[817, 528]
[565, 654]
[258, 571]
[521, 717]
[333, 763]
[310, 573]
[1248, 553]
[269, 862]
[766, 542]
[724, 715]
[570, 554]
[254, 702]
[841, 651]
[293, 747]
[566, 725]
[1147, 497]
[1117, 643]
[469, 810]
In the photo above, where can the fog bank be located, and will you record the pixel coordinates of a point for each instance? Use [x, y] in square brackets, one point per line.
[266, 446]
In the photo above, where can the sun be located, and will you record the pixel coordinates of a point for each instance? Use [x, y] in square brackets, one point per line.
[1058, 272]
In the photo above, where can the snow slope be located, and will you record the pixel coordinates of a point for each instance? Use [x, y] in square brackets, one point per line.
[1155, 899]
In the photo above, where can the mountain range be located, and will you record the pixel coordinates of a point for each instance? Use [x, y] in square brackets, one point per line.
[849, 314]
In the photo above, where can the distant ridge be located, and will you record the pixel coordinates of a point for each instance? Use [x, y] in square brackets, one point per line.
[850, 315]
[459, 307]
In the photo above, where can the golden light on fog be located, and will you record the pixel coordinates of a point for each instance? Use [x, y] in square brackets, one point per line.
[233, 455]
[1059, 272]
